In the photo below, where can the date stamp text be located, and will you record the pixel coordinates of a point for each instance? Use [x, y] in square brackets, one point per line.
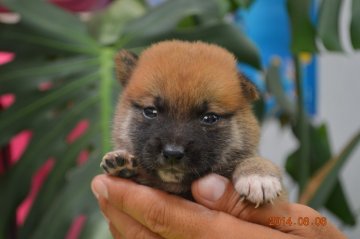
[298, 221]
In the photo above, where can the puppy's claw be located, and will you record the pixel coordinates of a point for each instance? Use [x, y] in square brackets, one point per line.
[104, 168]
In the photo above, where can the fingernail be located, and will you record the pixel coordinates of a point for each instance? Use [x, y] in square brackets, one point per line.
[99, 188]
[212, 187]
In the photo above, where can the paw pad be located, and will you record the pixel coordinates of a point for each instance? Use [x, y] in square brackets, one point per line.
[119, 163]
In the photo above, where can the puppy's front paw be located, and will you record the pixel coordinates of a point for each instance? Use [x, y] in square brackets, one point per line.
[258, 189]
[119, 163]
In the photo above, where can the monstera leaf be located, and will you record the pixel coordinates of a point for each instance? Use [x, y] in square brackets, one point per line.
[308, 21]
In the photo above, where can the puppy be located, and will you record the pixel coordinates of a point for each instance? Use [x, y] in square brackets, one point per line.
[185, 112]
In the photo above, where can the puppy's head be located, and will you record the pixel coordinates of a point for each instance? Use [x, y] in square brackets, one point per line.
[184, 112]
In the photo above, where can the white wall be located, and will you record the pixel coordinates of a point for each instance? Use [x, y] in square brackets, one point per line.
[339, 106]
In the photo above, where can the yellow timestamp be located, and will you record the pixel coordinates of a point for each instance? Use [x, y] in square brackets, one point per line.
[299, 221]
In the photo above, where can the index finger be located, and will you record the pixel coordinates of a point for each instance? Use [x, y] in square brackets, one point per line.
[162, 213]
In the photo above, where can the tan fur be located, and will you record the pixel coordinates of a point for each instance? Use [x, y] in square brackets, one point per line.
[177, 64]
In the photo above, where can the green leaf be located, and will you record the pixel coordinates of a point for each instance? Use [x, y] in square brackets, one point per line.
[13, 80]
[233, 5]
[26, 41]
[338, 204]
[223, 34]
[275, 87]
[46, 113]
[21, 111]
[55, 181]
[209, 26]
[260, 109]
[39, 14]
[108, 25]
[75, 199]
[163, 18]
[328, 28]
[323, 181]
[19, 45]
[244, 3]
[303, 31]
[320, 153]
[355, 24]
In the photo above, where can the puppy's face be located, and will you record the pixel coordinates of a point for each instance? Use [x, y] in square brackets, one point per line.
[184, 113]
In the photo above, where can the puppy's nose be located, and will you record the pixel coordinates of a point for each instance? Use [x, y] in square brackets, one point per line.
[173, 153]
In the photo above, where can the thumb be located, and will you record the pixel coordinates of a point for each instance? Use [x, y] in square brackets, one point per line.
[217, 192]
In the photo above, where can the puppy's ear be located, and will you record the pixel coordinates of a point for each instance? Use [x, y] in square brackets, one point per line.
[248, 88]
[125, 62]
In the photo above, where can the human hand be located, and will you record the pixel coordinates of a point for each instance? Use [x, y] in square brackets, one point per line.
[137, 211]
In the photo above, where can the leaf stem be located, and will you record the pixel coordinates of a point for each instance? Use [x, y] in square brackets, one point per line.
[106, 82]
[302, 127]
[322, 183]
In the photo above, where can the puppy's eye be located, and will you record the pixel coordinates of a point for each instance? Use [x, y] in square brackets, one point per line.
[210, 118]
[150, 112]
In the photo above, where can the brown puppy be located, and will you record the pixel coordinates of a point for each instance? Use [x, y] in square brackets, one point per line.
[186, 112]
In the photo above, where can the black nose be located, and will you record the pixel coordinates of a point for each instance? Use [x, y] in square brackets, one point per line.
[173, 153]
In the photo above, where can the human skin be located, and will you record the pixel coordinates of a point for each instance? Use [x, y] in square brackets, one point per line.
[137, 211]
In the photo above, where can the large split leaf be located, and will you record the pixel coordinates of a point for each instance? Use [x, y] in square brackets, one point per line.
[355, 24]
[163, 18]
[303, 31]
[328, 26]
[240, 45]
[42, 71]
[66, 27]
[209, 26]
[43, 101]
[27, 42]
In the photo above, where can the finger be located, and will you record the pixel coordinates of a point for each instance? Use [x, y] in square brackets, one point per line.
[123, 225]
[218, 193]
[173, 217]
[114, 232]
[166, 215]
